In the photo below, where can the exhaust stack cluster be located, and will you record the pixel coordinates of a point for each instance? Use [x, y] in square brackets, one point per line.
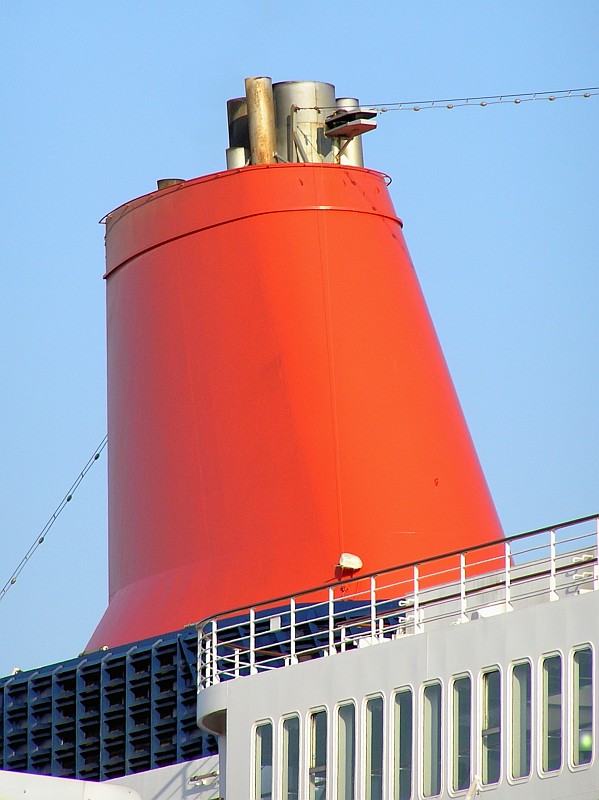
[295, 121]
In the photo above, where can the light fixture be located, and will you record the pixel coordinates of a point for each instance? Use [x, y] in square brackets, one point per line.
[350, 562]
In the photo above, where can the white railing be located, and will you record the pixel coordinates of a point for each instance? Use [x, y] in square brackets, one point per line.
[451, 589]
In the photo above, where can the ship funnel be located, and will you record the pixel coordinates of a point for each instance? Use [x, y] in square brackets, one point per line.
[277, 395]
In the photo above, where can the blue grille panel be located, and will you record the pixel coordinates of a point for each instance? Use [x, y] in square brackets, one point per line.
[105, 714]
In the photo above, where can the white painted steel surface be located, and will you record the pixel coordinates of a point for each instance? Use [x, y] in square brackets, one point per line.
[436, 655]
[22, 786]
[195, 780]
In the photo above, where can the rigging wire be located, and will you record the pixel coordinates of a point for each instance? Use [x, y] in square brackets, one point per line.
[482, 101]
[39, 539]
[488, 100]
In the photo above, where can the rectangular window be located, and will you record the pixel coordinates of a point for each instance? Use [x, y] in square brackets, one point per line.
[582, 739]
[291, 731]
[402, 745]
[491, 730]
[552, 714]
[346, 752]
[318, 755]
[431, 718]
[374, 748]
[263, 762]
[461, 740]
[521, 720]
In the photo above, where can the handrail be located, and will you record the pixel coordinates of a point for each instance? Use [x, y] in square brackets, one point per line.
[405, 565]
[284, 630]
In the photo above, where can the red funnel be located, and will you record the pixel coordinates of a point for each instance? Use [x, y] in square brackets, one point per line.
[277, 396]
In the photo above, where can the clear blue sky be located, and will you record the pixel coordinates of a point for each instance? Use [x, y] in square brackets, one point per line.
[500, 209]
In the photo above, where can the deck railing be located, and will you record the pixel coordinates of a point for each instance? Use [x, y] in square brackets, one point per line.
[543, 565]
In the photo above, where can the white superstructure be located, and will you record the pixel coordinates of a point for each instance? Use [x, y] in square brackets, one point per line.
[480, 683]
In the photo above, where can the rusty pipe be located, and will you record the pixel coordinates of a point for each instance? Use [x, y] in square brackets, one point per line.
[261, 120]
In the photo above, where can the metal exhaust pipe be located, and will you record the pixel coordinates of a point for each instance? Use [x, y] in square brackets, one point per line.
[166, 183]
[352, 151]
[261, 120]
[238, 152]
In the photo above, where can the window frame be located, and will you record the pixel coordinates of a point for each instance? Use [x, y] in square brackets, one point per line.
[395, 740]
[573, 710]
[510, 720]
[542, 716]
[452, 754]
[311, 770]
[423, 735]
[349, 703]
[367, 752]
[493, 669]
[256, 769]
[281, 765]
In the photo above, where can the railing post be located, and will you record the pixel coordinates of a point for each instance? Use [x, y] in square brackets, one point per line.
[417, 626]
[596, 580]
[253, 669]
[373, 606]
[331, 621]
[200, 663]
[292, 642]
[508, 575]
[553, 595]
[463, 614]
[213, 652]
